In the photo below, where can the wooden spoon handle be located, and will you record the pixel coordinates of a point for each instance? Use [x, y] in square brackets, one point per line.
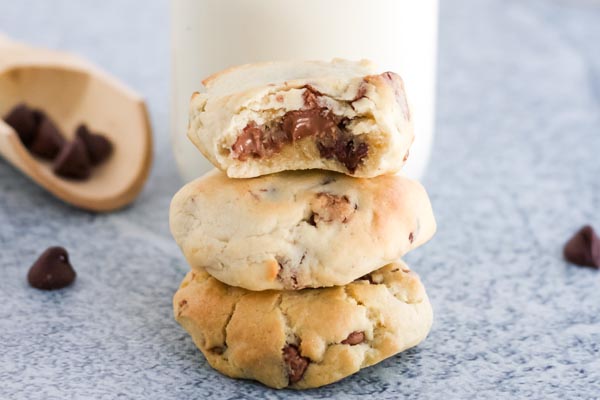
[4, 40]
[7, 44]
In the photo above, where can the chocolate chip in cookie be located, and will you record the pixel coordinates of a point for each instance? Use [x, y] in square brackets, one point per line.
[296, 364]
[584, 248]
[354, 338]
[51, 270]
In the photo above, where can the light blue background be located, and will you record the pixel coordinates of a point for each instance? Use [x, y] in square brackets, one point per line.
[515, 170]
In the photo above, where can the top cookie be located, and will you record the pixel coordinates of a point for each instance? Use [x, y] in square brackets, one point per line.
[341, 116]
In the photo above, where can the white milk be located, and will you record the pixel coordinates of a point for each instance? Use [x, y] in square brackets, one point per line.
[210, 35]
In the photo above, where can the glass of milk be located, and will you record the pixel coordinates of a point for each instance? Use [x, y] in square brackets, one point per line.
[210, 35]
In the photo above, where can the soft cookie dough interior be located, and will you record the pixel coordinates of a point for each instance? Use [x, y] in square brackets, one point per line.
[333, 129]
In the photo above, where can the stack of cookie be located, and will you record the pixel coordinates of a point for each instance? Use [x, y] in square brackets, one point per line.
[295, 241]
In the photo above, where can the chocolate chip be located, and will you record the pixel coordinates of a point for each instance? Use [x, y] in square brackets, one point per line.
[51, 270]
[98, 146]
[584, 248]
[296, 364]
[23, 120]
[344, 149]
[73, 161]
[411, 237]
[48, 140]
[354, 338]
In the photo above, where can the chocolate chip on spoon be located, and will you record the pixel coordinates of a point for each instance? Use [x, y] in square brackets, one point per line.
[23, 120]
[98, 146]
[48, 140]
[51, 270]
[73, 161]
[584, 248]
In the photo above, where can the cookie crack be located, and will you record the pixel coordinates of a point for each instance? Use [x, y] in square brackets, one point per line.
[289, 334]
[227, 322]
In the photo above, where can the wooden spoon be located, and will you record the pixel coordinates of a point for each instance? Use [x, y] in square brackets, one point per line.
[72, 91]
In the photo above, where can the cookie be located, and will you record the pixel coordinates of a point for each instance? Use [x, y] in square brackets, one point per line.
[307, 338]
[341, 116]
[298, 229]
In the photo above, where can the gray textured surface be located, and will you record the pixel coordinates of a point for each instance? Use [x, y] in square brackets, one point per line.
[515, 169]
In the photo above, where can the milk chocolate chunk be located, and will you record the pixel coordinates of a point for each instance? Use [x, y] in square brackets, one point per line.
[73, 161]
[332, 139]
[295, 363]
[259, 141]
[584, 248]
[48, 140]
[52, 270]
[304, 123]
[98, 147]
[354, 338]
[23, 120]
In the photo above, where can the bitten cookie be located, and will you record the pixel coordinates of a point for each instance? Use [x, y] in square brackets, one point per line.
[308, 338]
[341, 116]
[298, 229]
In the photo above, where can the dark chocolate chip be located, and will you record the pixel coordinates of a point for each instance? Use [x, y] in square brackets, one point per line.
[52, 270]
[99, 148]
[354, 338]
[584, 248]
[311, 220]
[411, 237]
[296, 364]
[48, 140]
[23, 120]
[73, 161]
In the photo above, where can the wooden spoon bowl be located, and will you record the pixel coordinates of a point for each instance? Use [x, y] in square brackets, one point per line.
[72, 91]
